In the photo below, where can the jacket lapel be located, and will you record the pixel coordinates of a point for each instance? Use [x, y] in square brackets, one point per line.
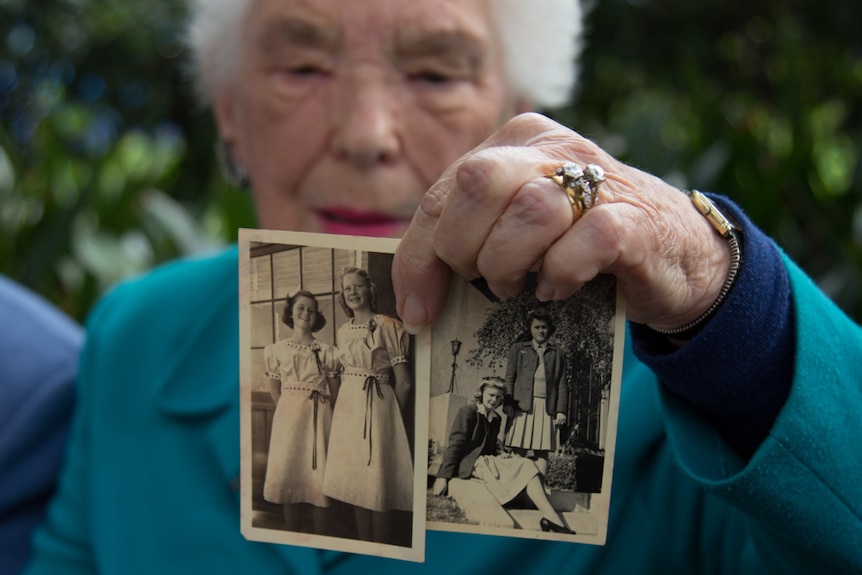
[201, 386]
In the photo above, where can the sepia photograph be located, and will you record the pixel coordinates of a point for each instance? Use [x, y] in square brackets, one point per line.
[333, 400]
[523, 412]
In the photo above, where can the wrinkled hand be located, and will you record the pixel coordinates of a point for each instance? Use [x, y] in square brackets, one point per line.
[493, 214]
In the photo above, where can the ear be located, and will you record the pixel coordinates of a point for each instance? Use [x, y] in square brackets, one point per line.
[227, 123]
[224, 113]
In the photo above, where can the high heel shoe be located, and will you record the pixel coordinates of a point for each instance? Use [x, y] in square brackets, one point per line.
[550, 526]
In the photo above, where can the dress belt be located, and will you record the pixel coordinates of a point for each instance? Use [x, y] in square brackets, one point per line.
[316, 397]
[371, 385]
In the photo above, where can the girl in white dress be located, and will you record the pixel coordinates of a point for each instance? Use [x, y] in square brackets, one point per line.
[370, 464]
[302, 373]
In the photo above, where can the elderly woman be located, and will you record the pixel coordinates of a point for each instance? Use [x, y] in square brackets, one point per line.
[344, 116]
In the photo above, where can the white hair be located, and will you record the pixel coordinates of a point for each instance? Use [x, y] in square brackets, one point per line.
[541, 42]
[214, 35]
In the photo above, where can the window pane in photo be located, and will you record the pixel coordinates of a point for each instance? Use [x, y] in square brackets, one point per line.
[317, 269]
[281, 329]
[262, 320]
[327, 308]
[258, 381]
[286, 271]
[261, 279]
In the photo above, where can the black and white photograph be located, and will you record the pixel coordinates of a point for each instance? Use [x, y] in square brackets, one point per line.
[333, 403]
[523, 412]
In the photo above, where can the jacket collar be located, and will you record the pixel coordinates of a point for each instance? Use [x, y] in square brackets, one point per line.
[484, 412]
[199, 383]
[201, 375]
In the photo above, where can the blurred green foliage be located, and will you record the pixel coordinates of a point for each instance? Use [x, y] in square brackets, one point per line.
[759, 101]
[107, 163]
[106, 160]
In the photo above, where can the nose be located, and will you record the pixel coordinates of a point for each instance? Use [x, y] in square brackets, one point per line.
[365, 118]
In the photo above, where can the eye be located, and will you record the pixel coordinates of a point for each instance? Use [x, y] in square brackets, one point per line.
[305, 70]
[430, 77]
[295, 73]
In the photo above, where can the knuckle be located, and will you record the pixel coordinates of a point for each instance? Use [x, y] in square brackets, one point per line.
[474, 175]
[541, 204]
[432, 202]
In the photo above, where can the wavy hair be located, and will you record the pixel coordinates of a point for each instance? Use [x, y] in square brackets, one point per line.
[290, 301]
[541, 315]
[494, 381]
[541, 42]
[372, 288]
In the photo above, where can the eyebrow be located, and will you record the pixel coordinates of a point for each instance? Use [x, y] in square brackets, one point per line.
[296, 32]
[456, 45]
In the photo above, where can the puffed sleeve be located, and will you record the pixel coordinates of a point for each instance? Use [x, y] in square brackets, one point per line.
[329, 358]
[396, 340]
[270, 363]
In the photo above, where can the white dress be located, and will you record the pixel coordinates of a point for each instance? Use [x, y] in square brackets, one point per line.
[369, 463]
[300, 426]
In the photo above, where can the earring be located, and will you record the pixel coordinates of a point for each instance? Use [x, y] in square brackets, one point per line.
[232, 172]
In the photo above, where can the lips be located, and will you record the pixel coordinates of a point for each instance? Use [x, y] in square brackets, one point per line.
[345, 221]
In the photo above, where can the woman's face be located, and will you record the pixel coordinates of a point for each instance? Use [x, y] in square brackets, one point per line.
[304, 313]
[492, 397]
[345, 112]
[357, 293]
[540, 330]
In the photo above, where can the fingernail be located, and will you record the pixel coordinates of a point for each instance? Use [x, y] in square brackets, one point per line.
[544, 292]
[413, 314]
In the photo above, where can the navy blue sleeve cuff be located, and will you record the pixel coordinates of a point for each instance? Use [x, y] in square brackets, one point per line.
[738, 369]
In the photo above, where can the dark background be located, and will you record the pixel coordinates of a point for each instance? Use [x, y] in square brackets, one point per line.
[107, 164]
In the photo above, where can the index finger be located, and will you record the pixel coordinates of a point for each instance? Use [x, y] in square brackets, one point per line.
[420, 278]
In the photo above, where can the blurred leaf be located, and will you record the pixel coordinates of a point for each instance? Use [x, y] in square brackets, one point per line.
[177, 223]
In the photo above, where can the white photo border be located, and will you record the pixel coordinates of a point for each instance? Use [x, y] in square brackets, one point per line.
[415, 551]
[465, 313]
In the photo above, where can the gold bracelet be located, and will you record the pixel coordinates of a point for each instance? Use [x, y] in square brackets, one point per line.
[728, 231]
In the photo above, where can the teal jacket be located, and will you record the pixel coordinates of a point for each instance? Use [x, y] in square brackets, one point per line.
[150, 483]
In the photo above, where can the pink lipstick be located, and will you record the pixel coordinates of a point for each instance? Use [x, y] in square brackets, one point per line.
[345, 221]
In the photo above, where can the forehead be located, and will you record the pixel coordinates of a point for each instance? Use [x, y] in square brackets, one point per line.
[538, 321]
[360, 23]
[305, 300]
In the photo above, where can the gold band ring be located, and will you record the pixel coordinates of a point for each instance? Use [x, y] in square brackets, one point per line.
[581, 185]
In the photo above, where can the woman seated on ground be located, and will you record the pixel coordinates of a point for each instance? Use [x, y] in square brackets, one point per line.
[474, 451]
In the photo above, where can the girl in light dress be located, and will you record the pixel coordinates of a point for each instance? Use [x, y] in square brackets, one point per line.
[370, 465]
[302, 374]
